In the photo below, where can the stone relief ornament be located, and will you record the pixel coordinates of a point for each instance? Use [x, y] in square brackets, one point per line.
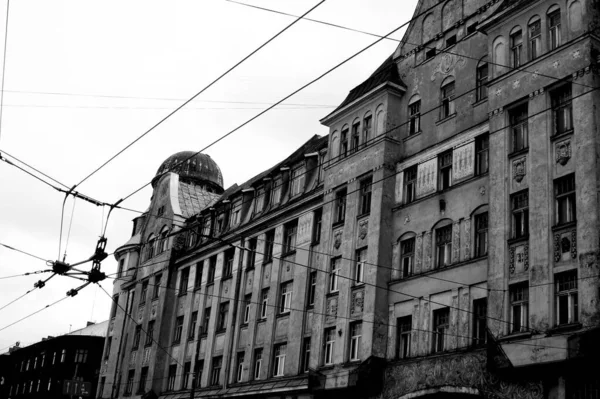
[448, 62]
[337, 239]
[140, 313]
[482, 190]
[574, 244]
[526, 257]
[357, 302]
[557, 254]
[331, 309]
[146, 359]
[516, 84]
[456, 242]
[467, 223]
[407, 219]
[519, 169]
[563, 152]
[419, 254]
[511, 261]
[363, 229]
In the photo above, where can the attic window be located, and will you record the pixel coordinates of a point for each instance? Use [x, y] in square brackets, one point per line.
[430, 53]
[451, 41]
[472, 28]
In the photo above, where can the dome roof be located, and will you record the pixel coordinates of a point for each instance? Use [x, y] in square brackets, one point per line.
[194, 166]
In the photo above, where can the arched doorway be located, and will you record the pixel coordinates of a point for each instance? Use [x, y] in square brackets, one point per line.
[444, 392]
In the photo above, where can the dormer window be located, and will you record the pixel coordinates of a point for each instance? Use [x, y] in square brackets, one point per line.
[236, 214]
[259, 200]
[355, 136]
[344, 143]
[297, 185]
[276, 191]
[367, 125]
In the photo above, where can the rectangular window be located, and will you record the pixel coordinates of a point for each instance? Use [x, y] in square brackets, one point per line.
[344, 143]
[564, 193]
[206, 321]
[479, 321]
[144, 292]
[228, 263]
[554, 29]
[448, 108]
[445, 170]
[410, 184]
[404, 326]
[482, 154]
[364, 205]
[113, 309]
[100, 389]
[276, 191]
[340, 206]
[482, 78]
[259, 200]
[129, 385]
[183, 281]
[429, 54]
[257, 363]
[305, 359]
[215, 373]
[199, 369]
[156, 289]
[518, 127]
[269, 242]
[414, 115]
[198, 277]
[407, 256]
[171, 378]
[354, 144]
[192, 328]
[251, 259]
[535, 39]
[223, 313]
[290, 231]
[443, 244]
[279, 360]
[312, 288]
[367, 124]
[246, 309]
[106, 354]
[520, 214]
[450, 41]
[80, 356]
[562, 109]
[317, 222]
[566, 298]
[516, 48]
[212, 267]
[329, 346]
[136, 337]
[142, 383]
[264, 303]
[285, 302]
[355, 338]
[472, 28]
[359, 266]
[187, 369]
[149, 333]
[519, 307]
[63, 356]
[334, 273]
[178, 330]
[239, 367]
[441, 324]
[297, 186]
[481, 234]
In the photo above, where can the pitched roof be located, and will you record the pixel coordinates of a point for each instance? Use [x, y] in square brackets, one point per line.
[193, 198]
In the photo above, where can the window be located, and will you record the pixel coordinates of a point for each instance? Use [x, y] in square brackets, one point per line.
[482, 78]
[450, 41]
[187, 368]
[404, 325]
[136, 337]
[247, 303]
[257, 363]
[290, 230]
[472, 28]
[566, 298]
[367, 124]
[305, 357]
[80, 356]
[149, 333]
[164, 240]
[414, 115]
[62, 357]
[359, 266]
[178, 330]
[192, 328]
[322, 163]
[340, 206]
[206, 321]
[143, 379]
[150, 246]
[447, 100]
[276, 192]
[519, 306]
[160, 211]
[564, 192]
[144, 292]
[355, 141]
[407, 257]
[198, 370]
[554, 29]
[479, 321]
[239, 367]
[269, 242]
[215, 374]
[121, 266]
[212, 268]
[518, 127]
[312, 288]
[286, 297]
[279, 360]
[429, 54]
[183, 281]
[297, 186]
[223, 313]
[264, 303]
[171, 378]
[129, 385]
[562, 109]
[365, 196]
[482, 154]
[100, 388]
[228, 263]
[445, 172]
[156, 289]
[113, 309]
[344, 143]
[198, 277]
[441, 324]
[329, 346]
[535, 39]
[130, 300]
[410, 184]
[318, 220]
[236, 214]
[259, 200]
[251, 259]
[443, 243]
[481, 234]
[334, 273]
[355, 337]
[42, 362]
[520, 214]
[106, 354]
[516, 48]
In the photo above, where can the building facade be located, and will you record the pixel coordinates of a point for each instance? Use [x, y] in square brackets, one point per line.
[442, 240]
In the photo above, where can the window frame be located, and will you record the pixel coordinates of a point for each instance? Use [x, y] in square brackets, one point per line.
[184, 280]
[359, 266]
[516, 48]
[443, 246]
[192, 327]
[566, 290]
[312, 289]
[279, 354]
[329, 345]
[215, 371]
[355, 340]
[410, 184]
[441, 325]
[535, 39]
[317, 226]
[355, 136]
[520, 214]
[365, 196]
[269, 244]
[481, 231]
[305, 355]
[519, 299]
[290, 236]
[481, 80]
[178, 331]
[482, 154]
[554, 30]
[565, 199]
[445, 170]
[561, 100]
[519, 127]
[264, 303]
[344, 142]
[257, 363]
[447, 95]
[404, 337]
[479, 332]
[407, 256]
[414, 115]
[340, 206]
[285, 297]
[334, 272]
[223, 316]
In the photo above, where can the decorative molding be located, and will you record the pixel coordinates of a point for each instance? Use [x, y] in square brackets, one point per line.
[563, 152]
[467, 224]
[427, 249]
[463, 162]
[332, 307]
[357, 302]
[574, 244]
[448, 63]
[363, 228]
[519, 169]
[419, 254]
[456, 242]
[557, 248]
[526, 257]
[511, 260]
[337, 239]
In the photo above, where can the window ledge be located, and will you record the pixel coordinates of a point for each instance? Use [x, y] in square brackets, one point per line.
[445, 119]
[522, 151]
[356, 286]
[479, 102]
[203, 335]
[175, 343]
[288, 253]
[516, 240]
[327, 367]
[229, 277]
[331, 294]
[221, 331]
[564, 225]
[249, 268]
[338, 224]
[563, 135]
[210, 283]
[267, 261]
[183, 293]
[410, 136]
[244, 324]
[261, 320]
[515, 336]
[198, 288]
[565, 327]
[363, 215]
[314, 243]
[283, 315]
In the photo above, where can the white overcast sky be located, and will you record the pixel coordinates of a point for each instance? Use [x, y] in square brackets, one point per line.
[84, 78]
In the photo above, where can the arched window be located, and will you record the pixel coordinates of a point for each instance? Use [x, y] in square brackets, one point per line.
[450, 14]
[367, 127]
[575, 17]
[447, 98]
[380, 120]
[150, 246]
[429, 30]
[516, 47]
[482, 78]
[535, 37]
[443, 243]
[164, 240]
[414, 115]
[355, 139]
[407, 245]
[344, 141]
[499, 56]
[554, 36]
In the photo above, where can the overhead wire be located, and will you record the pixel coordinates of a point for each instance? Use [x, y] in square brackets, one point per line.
[31, 314]
[23, 252]
[24, 274]
[4, 65]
